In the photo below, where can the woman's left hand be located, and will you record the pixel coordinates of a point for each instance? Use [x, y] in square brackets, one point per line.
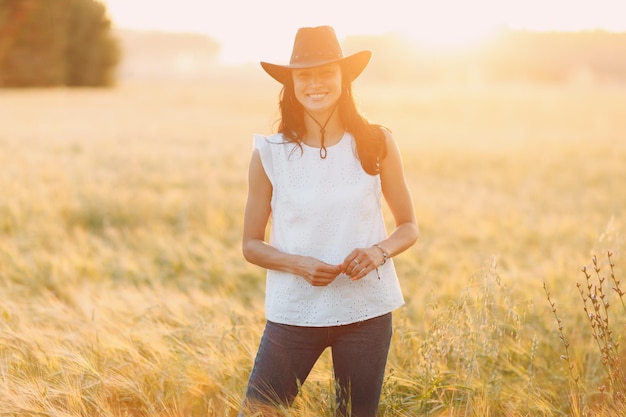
[362, 261]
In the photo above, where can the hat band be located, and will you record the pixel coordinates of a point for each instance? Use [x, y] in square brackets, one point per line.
[314, 57]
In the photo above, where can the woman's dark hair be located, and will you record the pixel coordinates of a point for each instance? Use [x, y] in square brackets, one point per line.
[369, 137]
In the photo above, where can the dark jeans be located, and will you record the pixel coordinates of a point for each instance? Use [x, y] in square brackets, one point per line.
[287, 354]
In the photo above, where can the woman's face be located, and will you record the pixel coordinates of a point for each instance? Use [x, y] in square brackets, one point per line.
[318, 88]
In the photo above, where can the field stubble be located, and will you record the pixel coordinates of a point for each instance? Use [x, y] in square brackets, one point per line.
[124, 291]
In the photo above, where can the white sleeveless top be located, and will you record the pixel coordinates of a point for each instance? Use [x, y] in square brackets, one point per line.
[324, 208]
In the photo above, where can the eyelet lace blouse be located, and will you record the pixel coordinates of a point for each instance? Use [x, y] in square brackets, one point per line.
[324, 208]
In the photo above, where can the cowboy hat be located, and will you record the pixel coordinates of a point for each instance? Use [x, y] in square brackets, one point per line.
[316, 46]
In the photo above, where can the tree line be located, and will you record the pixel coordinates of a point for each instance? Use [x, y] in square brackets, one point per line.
[510, 56]
[71, 43]
[56, 43]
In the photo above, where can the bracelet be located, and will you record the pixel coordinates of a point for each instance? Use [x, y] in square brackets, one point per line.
[384, 254]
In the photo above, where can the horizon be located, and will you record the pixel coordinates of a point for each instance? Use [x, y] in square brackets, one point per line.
[263, 34]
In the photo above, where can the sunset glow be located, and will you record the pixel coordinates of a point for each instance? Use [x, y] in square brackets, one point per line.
[252, 31]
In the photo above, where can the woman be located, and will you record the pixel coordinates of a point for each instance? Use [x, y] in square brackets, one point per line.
[330, 278]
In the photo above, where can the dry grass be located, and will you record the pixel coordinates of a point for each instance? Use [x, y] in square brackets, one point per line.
[124, 292]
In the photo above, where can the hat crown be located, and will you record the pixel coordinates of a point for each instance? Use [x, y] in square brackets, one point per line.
[315, 44]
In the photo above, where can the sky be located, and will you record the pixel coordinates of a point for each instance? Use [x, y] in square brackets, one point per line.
[255, 30]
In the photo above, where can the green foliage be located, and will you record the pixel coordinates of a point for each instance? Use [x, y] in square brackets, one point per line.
[56, 43]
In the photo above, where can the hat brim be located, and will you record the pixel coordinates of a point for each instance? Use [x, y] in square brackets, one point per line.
[352, 66]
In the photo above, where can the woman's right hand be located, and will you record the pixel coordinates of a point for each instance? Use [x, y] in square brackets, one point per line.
[254, 247]
[316, 272]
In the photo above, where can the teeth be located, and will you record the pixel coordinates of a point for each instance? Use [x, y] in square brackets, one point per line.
[316, 95]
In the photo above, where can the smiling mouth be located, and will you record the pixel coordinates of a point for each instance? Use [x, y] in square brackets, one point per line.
[316, 96]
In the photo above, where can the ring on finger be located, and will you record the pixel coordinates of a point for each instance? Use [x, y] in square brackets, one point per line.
[355, 261]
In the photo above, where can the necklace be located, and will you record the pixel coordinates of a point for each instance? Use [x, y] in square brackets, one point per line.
[323, 151]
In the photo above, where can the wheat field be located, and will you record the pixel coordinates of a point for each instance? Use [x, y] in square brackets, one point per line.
[123, 291]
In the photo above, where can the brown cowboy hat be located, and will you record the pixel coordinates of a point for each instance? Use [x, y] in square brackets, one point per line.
[314, 47]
